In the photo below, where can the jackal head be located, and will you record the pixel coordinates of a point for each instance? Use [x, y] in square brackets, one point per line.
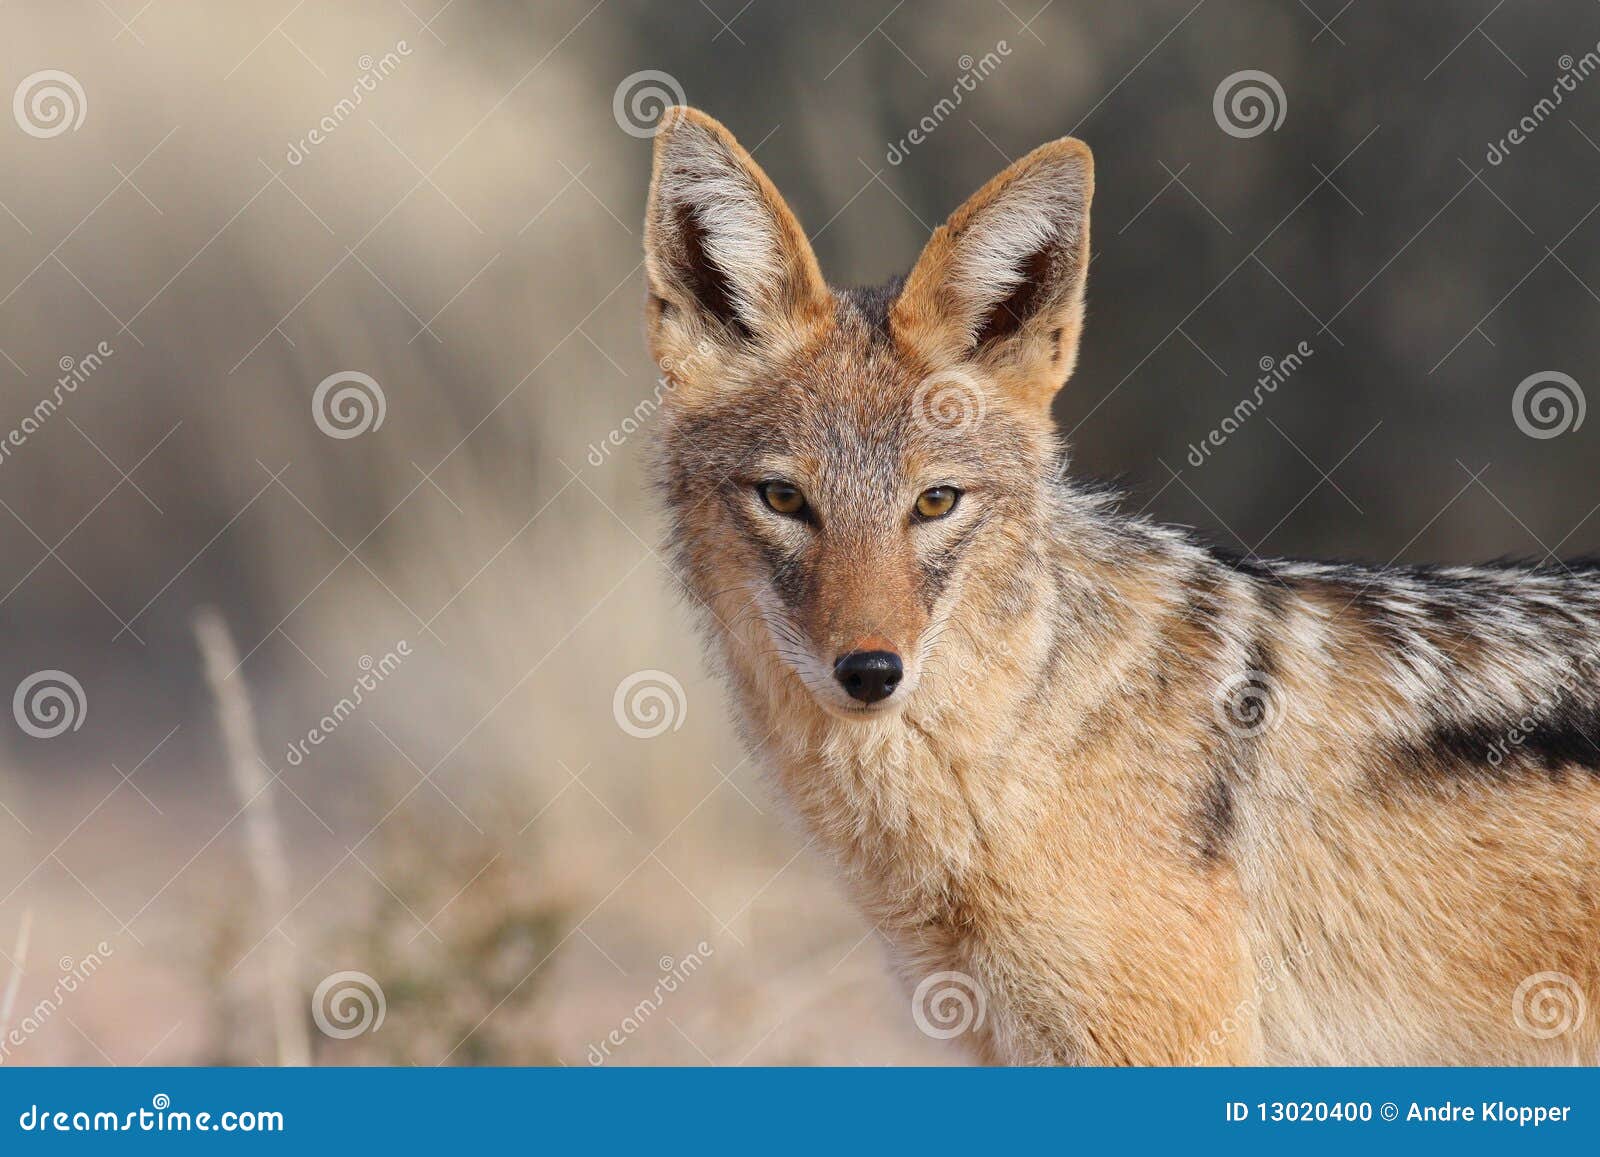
[853, 473]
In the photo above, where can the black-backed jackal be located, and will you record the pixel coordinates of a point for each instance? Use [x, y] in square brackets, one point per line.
[1155, 804]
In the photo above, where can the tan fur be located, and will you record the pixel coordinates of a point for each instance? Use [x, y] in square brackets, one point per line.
[1050, 804]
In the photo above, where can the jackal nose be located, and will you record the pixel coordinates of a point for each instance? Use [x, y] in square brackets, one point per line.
[869, 675]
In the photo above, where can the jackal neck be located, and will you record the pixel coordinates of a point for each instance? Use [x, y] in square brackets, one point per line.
[1039, 649]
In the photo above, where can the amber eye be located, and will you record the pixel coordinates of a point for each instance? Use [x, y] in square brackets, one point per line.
[937, 501]
[783, 498]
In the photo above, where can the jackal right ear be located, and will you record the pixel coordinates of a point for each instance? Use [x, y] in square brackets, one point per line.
[1001, 283]
[725, 259]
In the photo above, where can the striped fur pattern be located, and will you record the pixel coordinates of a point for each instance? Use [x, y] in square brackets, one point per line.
[1157, 804]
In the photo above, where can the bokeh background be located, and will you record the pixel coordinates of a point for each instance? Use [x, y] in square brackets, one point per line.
[482, 837]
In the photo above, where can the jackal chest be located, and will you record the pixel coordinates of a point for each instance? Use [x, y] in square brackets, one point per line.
[889, 811]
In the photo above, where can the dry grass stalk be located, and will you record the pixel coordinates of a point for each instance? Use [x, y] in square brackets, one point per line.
[265, 838]
[19, 957]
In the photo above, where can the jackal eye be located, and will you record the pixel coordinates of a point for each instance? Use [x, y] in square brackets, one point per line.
[783, 498]
[937, 501]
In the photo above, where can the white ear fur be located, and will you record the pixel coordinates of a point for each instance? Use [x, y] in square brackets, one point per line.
[700, 178]
[1001, 282]
[1041, 212]
[718, 237]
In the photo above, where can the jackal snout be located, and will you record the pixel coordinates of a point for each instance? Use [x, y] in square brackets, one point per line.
[869, 676]
[857, 608]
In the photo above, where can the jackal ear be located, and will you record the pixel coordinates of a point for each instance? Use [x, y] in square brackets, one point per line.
[1001, 283]
[725, 259]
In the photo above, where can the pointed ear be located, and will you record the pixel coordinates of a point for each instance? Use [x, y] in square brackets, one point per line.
[1001, 283]
[728, 266]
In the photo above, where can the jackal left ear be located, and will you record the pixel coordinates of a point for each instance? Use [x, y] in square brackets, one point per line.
[1001, 283]
[726, 261]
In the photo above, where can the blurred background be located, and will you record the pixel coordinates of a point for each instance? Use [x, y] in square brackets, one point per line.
[327, 316]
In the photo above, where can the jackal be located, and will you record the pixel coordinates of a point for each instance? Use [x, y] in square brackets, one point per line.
[1153, 804]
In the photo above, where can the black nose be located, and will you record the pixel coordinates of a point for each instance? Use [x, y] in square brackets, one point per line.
[869, 675]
